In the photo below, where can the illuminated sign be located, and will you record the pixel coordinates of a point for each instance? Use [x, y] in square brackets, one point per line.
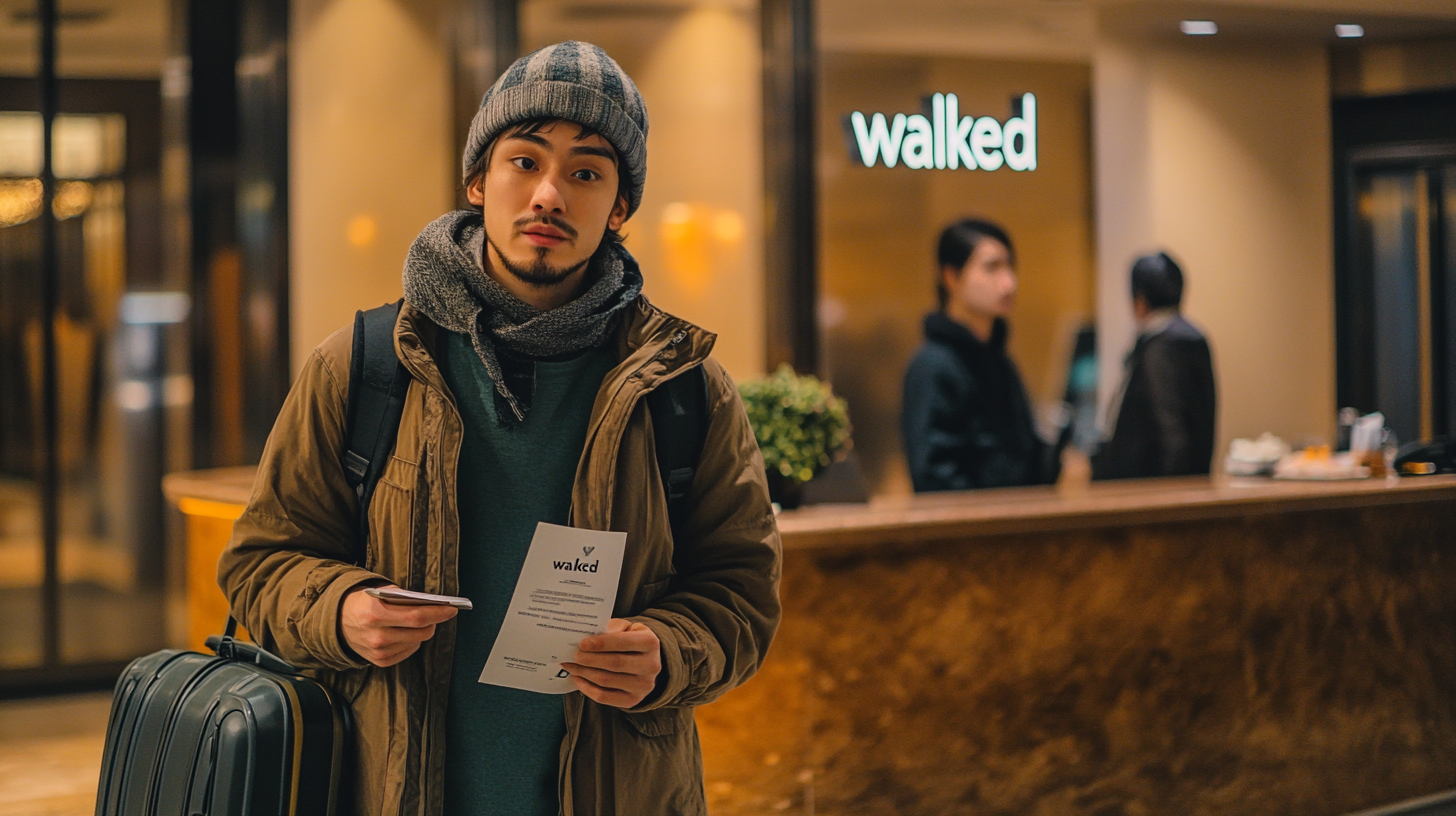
[942, 139]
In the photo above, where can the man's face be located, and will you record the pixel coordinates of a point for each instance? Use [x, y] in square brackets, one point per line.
[986, 285]
[548, 198]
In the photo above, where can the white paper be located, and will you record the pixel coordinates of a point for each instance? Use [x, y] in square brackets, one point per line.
[566, 592]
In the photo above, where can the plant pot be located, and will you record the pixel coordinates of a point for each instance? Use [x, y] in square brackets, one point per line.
[789, 493]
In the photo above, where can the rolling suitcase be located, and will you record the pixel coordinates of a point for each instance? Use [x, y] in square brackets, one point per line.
[241, 733]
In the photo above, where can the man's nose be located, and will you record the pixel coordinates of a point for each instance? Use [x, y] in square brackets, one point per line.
[547, 198]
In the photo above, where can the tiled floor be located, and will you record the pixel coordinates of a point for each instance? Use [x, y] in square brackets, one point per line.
[50, 754]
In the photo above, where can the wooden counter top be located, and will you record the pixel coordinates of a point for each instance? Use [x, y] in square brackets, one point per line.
[970, 514]
[230, 485]
[961, 515]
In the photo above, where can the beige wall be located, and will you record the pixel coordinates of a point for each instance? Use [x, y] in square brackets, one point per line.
[373, 157]
[1221, 156]
[371, 153]
[699, 232]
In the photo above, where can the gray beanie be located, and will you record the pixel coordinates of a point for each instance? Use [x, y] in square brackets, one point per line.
[575, 81]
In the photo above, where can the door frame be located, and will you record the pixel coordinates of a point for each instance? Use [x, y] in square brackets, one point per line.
[1354, 314]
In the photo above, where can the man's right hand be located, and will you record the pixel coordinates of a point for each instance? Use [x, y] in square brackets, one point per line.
[384, 633]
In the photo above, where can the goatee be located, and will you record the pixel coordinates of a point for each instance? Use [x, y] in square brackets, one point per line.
[541, 274]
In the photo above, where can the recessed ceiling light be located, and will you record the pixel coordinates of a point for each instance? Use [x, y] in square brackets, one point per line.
[1198, 28]
[1349, 30]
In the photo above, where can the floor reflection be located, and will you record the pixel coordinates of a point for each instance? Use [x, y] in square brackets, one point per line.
[50, 754]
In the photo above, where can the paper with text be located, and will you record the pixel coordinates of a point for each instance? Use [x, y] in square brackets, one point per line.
[565, 593]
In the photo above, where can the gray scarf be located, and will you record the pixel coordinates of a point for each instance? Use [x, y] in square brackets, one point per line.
[444, 279]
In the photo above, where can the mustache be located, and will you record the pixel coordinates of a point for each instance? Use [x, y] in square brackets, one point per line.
[552, 221]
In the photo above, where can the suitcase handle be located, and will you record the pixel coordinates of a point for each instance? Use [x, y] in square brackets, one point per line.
[226, 647]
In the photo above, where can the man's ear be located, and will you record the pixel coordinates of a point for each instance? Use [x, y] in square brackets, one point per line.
[475, 191]
[949, 277]
[618, 216]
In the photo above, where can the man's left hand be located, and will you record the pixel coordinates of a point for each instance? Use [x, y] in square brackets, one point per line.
[619, 667]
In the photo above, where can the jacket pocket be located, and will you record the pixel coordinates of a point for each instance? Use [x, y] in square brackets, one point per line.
[659, 765]
[659, 722]
[392, 522]
[348, 685]
[647, 594]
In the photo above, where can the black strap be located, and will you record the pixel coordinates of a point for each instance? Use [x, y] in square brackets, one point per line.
[378, 383]
[679, 427]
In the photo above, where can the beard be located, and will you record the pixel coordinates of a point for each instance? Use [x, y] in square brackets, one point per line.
[540, 273]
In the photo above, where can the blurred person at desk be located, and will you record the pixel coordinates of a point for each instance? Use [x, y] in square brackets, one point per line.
[1163, 419]
[967, 420]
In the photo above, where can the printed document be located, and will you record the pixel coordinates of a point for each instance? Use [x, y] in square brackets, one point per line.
[565, 593]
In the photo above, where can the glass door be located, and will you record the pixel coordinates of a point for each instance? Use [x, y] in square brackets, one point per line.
[1405, 281]
[86, 325]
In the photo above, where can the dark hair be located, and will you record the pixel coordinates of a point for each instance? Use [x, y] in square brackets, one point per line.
[1158, 280]
[536, 125]
[959, 241]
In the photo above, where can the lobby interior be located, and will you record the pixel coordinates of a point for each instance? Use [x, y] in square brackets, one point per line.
[245, 174]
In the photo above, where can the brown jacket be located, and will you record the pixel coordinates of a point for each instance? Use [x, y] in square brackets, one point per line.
[711, 598]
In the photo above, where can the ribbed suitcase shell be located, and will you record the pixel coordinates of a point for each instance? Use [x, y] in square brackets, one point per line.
[196, 735]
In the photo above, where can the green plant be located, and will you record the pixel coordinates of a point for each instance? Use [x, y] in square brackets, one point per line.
[801, 426]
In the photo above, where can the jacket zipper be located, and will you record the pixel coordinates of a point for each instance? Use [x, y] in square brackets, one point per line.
[574, 728]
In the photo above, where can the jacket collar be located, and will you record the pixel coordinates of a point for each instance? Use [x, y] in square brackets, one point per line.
[1156, 322]
[940, 328]
[652, 345]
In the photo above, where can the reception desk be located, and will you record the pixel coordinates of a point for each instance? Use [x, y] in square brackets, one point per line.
[1158, 647]
[1170, 646]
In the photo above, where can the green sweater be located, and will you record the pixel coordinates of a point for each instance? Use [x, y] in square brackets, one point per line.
[503, 745]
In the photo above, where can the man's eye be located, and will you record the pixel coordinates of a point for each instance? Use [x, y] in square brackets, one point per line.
[524, 163]
[587, 175]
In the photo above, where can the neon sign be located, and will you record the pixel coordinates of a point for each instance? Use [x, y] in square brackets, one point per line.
[942, 139]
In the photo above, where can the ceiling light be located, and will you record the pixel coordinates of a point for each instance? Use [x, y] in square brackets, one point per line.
[1198, 28]
[1349, 30]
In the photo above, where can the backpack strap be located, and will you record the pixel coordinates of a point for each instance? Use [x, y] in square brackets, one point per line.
[378, 382]
[679, 427]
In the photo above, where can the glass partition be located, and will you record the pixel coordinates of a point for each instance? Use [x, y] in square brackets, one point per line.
[890, 79]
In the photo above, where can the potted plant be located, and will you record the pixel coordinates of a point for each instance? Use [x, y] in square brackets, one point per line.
[801, 427]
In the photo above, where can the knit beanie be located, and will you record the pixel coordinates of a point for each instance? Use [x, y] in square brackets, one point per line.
[575, 81]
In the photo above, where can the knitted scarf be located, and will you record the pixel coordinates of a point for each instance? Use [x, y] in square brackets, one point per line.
[444, 279]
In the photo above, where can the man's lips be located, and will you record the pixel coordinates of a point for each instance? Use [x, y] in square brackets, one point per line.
[543, 235]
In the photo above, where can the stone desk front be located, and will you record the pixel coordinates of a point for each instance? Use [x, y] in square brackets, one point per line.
[1172, 646]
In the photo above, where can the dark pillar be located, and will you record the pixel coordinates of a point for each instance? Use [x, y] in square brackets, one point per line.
[790, 205]
[487, 41]
[262, 206]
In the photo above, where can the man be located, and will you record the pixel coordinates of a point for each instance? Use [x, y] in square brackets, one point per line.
[530, 349]
[966, 418]
[1164, 422]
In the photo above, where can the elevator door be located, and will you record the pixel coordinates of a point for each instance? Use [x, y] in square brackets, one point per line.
[1403, 301]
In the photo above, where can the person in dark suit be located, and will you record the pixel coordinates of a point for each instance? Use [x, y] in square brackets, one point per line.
[966, 418]
[1163, 422]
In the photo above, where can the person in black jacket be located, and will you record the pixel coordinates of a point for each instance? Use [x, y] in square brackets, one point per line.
[1164, 420]
[966, 417]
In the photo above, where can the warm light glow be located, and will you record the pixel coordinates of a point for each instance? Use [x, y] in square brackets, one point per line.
[1198, 28]
[694, 240]
[19, 201]
[84, 145]
[677, 213]
[728, 227]
[1349, 30]
[362, 231]
[72, 199]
